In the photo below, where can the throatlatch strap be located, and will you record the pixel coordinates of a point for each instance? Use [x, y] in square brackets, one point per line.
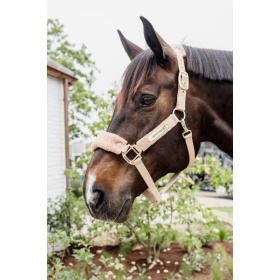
[190, 147]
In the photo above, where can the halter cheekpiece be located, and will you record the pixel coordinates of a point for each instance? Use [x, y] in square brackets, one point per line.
[118, 145]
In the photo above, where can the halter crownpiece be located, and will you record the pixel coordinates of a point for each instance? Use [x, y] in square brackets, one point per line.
[113, 143]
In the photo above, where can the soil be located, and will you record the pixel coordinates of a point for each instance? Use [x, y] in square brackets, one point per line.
[170, 259]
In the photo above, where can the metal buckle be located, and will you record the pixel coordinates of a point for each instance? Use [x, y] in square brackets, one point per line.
[134, 149]
[186, 130]
[185, 133]
[183, 80]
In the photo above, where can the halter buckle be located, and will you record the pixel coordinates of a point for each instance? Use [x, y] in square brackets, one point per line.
[186, 130]
[135, 150]
[183, 80]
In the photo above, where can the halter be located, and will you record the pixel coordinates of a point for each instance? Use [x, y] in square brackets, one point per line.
[113, 143]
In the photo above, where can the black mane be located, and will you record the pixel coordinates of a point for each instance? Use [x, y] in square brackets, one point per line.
[209, 63]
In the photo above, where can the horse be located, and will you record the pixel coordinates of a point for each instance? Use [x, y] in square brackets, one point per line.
[147, 98]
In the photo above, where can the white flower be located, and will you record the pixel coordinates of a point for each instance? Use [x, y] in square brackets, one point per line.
[143, 264]
[161, 263]
[165, 271]
[149, 277]
[176, 263]
[71, 264]
[122, 259]
[98, 251]
[120, 255]
[158, 271]
[118, 266]
[132, 269]
[133, 262]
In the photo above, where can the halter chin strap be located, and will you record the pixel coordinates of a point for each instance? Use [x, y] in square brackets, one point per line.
[117, 145]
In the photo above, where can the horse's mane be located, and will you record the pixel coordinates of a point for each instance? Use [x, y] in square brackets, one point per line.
[212, 64]
[208, 63]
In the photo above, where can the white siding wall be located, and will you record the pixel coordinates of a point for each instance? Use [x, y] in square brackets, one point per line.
[56, 142]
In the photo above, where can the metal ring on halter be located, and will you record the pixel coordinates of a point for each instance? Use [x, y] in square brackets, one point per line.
[180, 110]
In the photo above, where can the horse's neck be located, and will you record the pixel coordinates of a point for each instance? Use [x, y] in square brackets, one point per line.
[216, 102]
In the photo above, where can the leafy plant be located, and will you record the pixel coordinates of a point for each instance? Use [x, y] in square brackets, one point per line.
[84, 257]
[220, 263]
[57, 239]
[66, 213]
[194, 261]
[222, 232]
[140, 273]
[210, 168]
[142, 228]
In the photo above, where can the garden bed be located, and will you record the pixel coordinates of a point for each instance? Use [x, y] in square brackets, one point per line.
[167, 266]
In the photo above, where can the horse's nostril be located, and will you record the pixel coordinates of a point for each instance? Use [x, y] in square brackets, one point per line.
[97, 200]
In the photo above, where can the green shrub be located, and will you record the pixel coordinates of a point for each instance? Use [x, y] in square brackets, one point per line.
[66, 212]
[194, 261]
[220, 263]
[155, 227]
[211, 167]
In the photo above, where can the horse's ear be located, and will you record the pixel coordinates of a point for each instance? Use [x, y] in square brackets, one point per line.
[154, 41]
[131, 49]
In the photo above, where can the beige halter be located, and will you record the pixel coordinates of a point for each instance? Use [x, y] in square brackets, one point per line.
[117, 145]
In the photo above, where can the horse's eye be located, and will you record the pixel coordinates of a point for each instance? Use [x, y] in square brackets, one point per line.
[147, 100]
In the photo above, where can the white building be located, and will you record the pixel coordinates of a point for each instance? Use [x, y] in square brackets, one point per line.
[58, 80]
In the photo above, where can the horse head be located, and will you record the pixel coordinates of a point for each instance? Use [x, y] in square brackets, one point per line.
[147, 97]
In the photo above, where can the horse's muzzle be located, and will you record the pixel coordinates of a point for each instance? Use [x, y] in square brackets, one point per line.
[107, 207]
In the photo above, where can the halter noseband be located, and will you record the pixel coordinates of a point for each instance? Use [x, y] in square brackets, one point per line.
[113, 143]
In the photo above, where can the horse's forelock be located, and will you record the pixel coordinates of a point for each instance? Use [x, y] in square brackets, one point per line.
[138, 71]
